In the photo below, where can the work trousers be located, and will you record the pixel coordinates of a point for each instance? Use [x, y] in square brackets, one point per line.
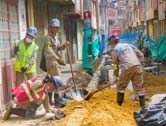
[21, 78]
[54, 70]
[135, 74]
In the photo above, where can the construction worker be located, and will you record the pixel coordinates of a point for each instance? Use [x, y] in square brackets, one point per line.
[147, 52]
[52, 56]
[29, 95]
[130, 59]
[26, 53]
[139, 42]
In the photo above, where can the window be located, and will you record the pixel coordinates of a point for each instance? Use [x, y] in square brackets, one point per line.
[9, 31]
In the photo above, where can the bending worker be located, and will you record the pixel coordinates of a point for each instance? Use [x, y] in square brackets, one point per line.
[26, 54]
[52, 55]
[130, 59]
[28, 96]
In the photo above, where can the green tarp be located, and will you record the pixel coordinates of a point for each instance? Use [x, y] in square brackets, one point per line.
[89, 49]
[85, 52]
[161, 47]
[158, 49]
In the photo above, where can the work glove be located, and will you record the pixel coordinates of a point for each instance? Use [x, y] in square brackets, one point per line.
[61, 61]
[66, 44]
[16, 50]
[48, 79]
[23, 69]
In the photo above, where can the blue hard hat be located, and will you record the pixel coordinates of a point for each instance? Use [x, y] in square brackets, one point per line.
[55, 22]
[58, 81]
[32, 31]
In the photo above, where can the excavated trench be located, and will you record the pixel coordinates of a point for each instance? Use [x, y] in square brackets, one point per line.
[102, 110]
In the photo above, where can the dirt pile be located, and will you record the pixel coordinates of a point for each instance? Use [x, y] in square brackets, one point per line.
[81, 79]
[100, 110]
[154, 84]
[153, 80]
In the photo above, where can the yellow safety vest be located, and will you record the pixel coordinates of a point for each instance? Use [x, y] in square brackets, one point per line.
[24, 55]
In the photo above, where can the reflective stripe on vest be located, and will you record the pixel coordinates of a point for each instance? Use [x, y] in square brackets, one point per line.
[27, 90]
[24, 55]
[34, 91]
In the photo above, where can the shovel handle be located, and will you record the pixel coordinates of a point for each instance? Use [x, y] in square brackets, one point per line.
[70, 62]
[21, 66]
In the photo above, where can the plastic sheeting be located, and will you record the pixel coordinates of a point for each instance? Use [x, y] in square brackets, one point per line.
[129, 38]
[102, 44]
[161, 48]
[153, 47]
[85, 52]
[158, 48]
[89, 49]
[95, 48]
[153, 115]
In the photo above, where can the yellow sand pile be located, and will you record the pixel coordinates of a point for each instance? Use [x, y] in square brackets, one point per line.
[100, 110]
[154, 84]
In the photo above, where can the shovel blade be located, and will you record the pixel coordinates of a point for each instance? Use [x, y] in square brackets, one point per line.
[80, 94]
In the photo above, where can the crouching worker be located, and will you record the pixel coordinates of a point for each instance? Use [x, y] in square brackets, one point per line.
[28, 96]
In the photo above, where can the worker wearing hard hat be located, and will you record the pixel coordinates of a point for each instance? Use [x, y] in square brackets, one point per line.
[26, 54]
[28, 96]
[130, 60]
[52, 55]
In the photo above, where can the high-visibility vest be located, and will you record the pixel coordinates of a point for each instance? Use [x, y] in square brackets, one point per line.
[24, 55]
[25, 94]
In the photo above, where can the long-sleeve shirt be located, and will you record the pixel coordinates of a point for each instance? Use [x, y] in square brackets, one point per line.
[127, 56]
[51, 52]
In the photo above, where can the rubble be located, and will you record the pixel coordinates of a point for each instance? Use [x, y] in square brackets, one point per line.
[82, 80]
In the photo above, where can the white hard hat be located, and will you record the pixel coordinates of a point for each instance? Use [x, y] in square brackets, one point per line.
[32, 31]
[55, 22]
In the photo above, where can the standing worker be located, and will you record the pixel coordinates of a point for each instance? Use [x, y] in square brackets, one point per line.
[130, 59]
[26, 53]
[147, 52]
[52, 56]
[139, 42]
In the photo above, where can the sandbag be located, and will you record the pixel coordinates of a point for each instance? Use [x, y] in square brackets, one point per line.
[153, 115]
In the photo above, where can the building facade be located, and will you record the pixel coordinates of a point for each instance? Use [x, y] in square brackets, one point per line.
[149, 17]
[17, 15]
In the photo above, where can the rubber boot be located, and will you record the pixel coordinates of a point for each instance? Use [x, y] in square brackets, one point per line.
[142, 100]
[120, 97]
[7, 113]
[50, 98]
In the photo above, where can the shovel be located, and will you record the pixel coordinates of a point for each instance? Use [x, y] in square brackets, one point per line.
[94, 92]
[78, 94]
[21, 66]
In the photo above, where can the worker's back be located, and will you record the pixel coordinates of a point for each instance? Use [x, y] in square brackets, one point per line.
[126, 55]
